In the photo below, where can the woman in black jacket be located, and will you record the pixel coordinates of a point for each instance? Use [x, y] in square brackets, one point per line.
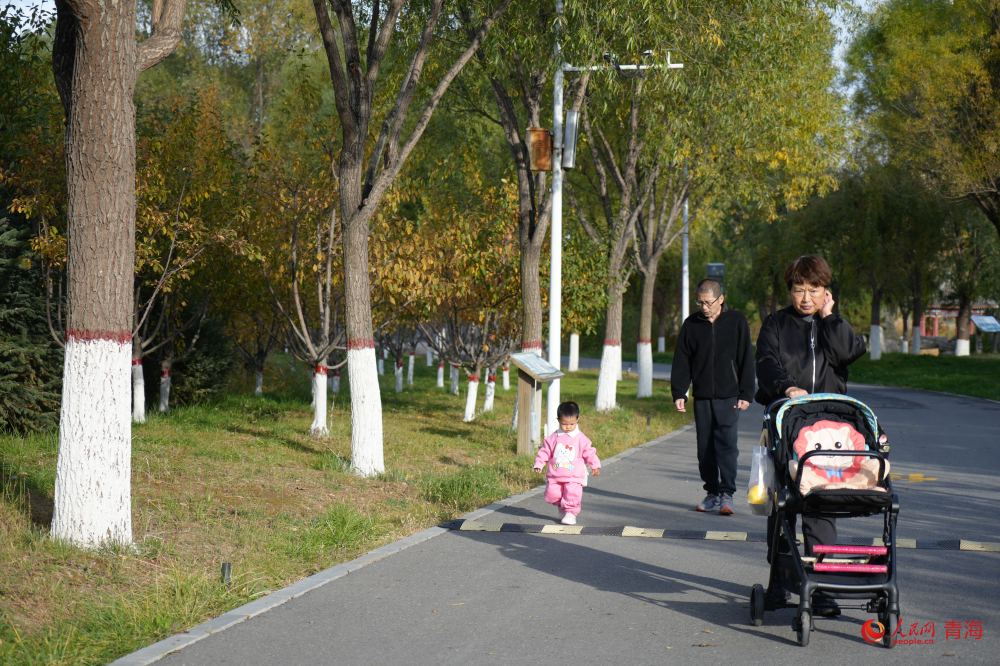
[804, 349]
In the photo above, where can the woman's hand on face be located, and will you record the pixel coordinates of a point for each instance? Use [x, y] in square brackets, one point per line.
[796, 392]
[827, 308]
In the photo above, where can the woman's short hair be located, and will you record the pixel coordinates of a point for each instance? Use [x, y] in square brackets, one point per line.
[808, 269]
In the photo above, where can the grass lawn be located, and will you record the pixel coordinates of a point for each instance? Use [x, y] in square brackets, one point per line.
[238, 480]
[976, 376]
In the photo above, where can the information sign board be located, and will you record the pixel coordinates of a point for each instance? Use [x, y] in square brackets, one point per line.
[986, 324]
[536, 366]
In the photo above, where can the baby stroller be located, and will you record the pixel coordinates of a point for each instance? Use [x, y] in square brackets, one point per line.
[831, 429]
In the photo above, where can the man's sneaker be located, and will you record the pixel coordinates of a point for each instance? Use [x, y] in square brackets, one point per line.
[568, 519]
[726, 505]
[709, 504]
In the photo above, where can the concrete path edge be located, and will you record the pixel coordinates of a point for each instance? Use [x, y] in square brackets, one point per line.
[160, 649]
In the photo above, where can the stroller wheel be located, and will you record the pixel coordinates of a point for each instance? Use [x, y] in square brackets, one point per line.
[803, 627]
[889, 622]
[757, 605]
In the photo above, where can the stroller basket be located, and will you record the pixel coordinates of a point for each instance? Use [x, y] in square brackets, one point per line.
[830, 459]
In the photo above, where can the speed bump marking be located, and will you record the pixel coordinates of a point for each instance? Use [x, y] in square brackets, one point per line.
[751, 537]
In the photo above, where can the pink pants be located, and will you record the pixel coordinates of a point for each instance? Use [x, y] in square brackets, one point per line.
[565, 494]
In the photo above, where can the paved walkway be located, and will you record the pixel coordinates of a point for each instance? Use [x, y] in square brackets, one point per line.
[509, 598]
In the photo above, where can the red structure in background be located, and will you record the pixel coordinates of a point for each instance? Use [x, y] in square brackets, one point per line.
[937, 312]
[945, 313]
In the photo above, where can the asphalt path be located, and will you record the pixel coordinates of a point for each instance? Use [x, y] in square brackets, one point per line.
[516, 598]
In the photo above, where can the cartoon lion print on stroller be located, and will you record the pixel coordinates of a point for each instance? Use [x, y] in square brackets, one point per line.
[829, 457]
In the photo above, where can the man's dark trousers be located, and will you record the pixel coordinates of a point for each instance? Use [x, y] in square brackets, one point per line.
[716, 423]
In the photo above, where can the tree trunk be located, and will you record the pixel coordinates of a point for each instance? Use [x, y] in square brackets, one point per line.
[491, 384]
[962, 325]
[506, 377]
[409, 370]
[94, 60]
[918, 309]
[454, 380]
[318, 428]
[166, 368]
[259, 382]
[644, 350]
[531, 298]
[470, 400]
[138, 391]
[381, 364]
[875, 333]
[440, 382]
[611, 357]
[574, 352]
[399, 376]
[430, 357]
[661, 333]
[336, 382]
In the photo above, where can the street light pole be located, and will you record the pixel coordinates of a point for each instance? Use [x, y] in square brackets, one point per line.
[685, 265]
[555, 282]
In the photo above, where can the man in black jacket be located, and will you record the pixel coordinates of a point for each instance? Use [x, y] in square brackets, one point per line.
[714, 354]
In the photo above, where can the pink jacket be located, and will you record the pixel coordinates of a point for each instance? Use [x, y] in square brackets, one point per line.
[566, 454]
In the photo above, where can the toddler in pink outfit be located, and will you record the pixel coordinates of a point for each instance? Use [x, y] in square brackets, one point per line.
[567, 452]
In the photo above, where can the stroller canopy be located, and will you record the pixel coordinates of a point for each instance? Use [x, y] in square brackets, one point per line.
[801, 412]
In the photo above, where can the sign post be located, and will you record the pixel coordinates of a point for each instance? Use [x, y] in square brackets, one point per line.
[532, 372]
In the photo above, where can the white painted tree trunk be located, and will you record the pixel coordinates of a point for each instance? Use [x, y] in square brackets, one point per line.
[440, 375]
[607, 380]
[138, 392]
[381, 365]
[618, 351]
[335, 383]
[470, 400]
[318, 428]
[409, 370]
[513, 418]
[906, 346]
[165, 392]
[399, 376]
[259, 381]
[430, 357]
[875, 342]
[506, 378]
[366, 413]
[491, 389]
[916, 342]
[644, 352]
[454, 380]
[961, 347]
[574, 352]
[661, 345]
[93, 493]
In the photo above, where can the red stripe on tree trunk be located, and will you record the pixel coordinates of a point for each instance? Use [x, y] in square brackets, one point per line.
[474, 378]
[336, 373]
[528, 346]
[320, 370]
[137, 361]
[492, 378]
[645, 342]
[360, 343]
[612, 343]
[83, 335]
[165, 373]
[399, 363]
